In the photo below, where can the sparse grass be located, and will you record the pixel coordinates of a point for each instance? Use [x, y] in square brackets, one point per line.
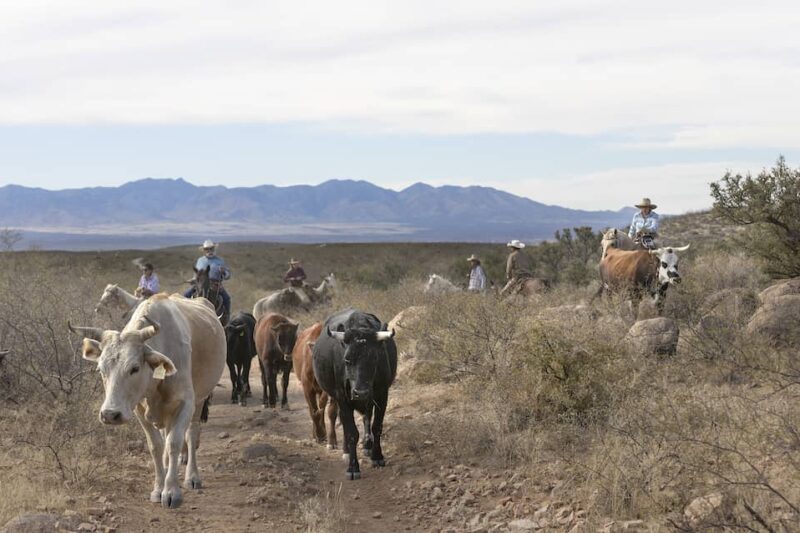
[325, 514]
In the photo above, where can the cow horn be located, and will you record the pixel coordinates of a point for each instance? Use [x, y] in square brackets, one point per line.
[86, 331]
[682, 248]
[149, 331]
[384, 335]
[338, 335]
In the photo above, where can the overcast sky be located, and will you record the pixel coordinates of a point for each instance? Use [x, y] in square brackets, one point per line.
[589, 104]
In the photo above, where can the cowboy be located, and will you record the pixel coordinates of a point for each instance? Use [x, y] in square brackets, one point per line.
[645, 221]
[518, 267]
[477, 276]
[296, 277]
[218, 271]
[148, 283]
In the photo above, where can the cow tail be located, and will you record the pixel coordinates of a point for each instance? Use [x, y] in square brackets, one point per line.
[204, 411]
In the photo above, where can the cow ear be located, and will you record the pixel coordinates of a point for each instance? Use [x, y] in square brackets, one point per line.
[91, 350]
[156, 359]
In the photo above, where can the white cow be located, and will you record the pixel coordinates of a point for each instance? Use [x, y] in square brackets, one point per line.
[118, 303]
[163, 382]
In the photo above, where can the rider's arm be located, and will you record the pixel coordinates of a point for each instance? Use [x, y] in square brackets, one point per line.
[636, 225]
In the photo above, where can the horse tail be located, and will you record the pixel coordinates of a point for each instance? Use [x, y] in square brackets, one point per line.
[204, 411]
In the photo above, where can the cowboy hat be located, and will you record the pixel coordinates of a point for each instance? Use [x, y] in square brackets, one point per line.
[646, 203]
[516, 244]
[294, 261]
[473, 257]
[208, 244]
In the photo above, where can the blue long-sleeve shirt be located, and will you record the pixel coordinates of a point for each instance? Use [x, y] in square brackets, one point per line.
[219, 271]
[648, 224]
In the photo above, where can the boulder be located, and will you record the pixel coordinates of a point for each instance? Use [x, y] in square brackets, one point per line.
[653, 336]
[408, 346]
[703, 508]
[782, 288]
[778, 320]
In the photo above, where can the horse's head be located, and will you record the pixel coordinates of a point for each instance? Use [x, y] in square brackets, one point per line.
[202, 282]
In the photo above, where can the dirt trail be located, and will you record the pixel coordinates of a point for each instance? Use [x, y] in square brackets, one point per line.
[257, 465]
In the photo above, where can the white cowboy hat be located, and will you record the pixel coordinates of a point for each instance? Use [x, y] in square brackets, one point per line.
[516, 244]
[294, 261]
[646, 203]
[208, 244]
[473, 257]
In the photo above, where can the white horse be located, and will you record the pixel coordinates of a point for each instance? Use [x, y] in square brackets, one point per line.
[614, 238]
[440, 285]
[118, 303]
[293, 298]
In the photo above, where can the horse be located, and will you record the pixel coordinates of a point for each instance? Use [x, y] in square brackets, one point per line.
[210, 289]
[440, 285]
[288, 300]
[115, 298]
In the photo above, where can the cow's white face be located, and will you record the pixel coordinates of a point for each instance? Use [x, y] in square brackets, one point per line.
[668, 264]
[126, 365]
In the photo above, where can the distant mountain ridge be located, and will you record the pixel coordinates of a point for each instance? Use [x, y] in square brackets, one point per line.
[336, 210]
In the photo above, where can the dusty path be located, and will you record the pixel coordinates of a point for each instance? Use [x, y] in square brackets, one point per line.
[258, 465]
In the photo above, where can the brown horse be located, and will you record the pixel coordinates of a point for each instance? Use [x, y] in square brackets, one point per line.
[316, 398]
[275, 340]
[210, 289]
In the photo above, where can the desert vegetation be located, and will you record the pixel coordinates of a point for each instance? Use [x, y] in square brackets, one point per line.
[700, 435]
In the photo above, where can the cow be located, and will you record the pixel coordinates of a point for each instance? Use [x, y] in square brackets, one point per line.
[640, 271]
[355, 362]
[286, 300]
[240, 337]
[319, 404]
[161, 368]
[275, 340]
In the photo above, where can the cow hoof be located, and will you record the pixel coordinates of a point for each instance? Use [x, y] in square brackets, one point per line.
[376, 463]
[193, 483]
[330, 446]
[171, 499]
[155, 496]
[353, 475]
[243, 403]
[346, 457]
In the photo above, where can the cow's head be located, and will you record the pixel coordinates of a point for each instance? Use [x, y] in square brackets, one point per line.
[362, 348]
[285, 337]
[668, 264]
[126, 365]
[235, 332]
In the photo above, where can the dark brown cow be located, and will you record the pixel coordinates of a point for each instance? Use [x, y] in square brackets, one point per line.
[275, 340]
[640, 271]
[316, 398]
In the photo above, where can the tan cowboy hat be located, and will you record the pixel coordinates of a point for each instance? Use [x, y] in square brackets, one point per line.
[473, 257]
[208, 244]
[646, 203]
[294, 261]
[516, 244]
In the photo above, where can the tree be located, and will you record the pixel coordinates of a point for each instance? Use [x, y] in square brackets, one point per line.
[9, 238]
[769, 206]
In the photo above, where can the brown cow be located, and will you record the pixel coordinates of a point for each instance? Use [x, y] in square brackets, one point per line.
[275, 340]
[640, 271]
[316, 398]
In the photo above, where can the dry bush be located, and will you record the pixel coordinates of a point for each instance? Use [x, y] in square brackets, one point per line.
[325, 514]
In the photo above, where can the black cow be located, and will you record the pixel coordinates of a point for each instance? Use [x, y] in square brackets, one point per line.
[355, 362]
[241, 349]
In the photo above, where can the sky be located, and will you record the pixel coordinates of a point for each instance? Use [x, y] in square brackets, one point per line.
[585, 104]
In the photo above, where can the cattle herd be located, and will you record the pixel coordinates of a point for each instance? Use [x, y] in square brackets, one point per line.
[170, 351]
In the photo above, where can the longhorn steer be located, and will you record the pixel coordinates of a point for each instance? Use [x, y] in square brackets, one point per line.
[161, 367]
[355, 362]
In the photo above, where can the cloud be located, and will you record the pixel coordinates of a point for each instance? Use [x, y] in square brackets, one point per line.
[720, 74]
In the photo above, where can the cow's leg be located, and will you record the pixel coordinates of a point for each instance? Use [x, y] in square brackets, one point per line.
[156, 445]
[381, 400]
[246, 375]
[287, 371]
[366, 421]
[234, 380]
[350, 441]
[314, 412]
[331, 412]
[171, 495]
[192, 476]
[272, 381]
[241, 382]
[264, 387]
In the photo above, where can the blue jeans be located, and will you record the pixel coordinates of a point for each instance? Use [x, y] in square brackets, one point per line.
[226, 299]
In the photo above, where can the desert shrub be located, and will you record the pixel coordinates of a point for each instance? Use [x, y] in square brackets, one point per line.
[766, 204]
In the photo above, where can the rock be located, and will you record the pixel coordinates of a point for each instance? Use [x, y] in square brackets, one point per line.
[783, 288]
[777, 321]
[523, 524]
[700, 509]
[32, 523]
[86, 526]
[256, 451]
[377, 514]
[223, 435]
[653, 336]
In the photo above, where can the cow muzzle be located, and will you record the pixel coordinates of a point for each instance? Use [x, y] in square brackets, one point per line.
[112, 417]
[287, 357]
[360, 395]
[674, 277]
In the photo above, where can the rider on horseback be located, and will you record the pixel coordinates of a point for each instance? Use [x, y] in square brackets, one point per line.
[644, 226]
[518, 268]
[296, 278]
[218, 271]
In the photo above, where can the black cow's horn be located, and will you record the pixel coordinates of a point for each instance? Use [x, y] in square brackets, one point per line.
[384, 335]
[338, 335]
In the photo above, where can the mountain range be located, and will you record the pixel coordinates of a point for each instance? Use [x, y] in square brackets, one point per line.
[157, 212]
